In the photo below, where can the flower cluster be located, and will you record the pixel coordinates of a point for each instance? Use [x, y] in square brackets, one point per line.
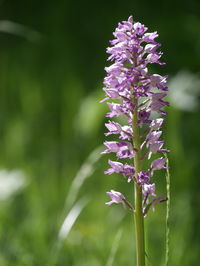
[134, 89]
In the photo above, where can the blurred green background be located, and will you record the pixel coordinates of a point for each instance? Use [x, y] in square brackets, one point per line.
[52, 186]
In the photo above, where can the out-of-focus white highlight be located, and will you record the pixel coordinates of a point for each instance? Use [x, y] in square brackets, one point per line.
[11, 182]
[184, 89]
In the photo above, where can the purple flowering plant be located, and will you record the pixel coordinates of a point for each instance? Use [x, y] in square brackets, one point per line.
[136, 95]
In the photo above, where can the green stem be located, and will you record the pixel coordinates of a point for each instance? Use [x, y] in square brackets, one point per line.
[167, 214]
[139, 219]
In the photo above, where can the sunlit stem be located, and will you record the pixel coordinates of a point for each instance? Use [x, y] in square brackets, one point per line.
[139, 219]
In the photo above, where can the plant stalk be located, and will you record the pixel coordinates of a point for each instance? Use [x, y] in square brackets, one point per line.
[139, 219]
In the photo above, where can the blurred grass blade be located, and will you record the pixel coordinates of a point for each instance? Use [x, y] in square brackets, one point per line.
[65, 229]
[86, 170]
[71, 218]
[20, 30]
[114, 247]
[167, 214]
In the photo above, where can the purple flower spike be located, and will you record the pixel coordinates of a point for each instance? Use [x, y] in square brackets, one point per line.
[134, 95]
[116, 197]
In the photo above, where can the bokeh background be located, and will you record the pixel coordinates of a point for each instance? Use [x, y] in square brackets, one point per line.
[52, 187]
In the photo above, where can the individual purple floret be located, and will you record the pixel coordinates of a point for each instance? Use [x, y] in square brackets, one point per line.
[159, 164]
[152, 137]
[116, 197]
[122, 149]
[124, 169]
[143, 178]
[156, 124]
[148, 190]
[136, 95]
[113, 127]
